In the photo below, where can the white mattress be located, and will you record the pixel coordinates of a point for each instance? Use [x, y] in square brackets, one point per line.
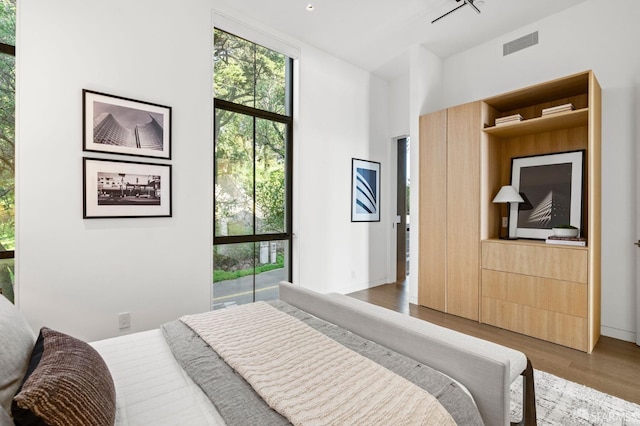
[151, 387]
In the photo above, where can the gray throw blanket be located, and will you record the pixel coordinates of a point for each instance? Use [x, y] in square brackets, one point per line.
[238, 404]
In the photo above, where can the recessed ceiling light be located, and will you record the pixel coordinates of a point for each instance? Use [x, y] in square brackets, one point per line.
[310, 7]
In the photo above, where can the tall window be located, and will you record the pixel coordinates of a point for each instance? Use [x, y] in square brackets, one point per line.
[7, 144]
[253, 140]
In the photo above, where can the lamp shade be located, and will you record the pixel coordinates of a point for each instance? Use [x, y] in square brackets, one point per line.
[508, 194]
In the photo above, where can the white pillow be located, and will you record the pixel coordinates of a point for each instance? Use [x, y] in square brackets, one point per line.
[17, 341]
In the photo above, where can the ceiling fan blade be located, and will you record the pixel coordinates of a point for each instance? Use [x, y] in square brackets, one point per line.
[449, 12]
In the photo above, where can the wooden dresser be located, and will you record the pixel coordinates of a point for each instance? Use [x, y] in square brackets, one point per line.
[537, 290]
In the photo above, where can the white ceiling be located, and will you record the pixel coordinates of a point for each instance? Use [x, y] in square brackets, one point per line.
[373, 34]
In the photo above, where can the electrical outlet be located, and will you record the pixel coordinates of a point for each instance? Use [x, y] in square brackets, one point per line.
[124, 320]
[505, 222]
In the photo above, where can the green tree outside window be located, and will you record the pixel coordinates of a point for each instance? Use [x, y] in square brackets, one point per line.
[7, 144]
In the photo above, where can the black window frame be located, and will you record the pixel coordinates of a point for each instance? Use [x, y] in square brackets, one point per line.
[8, 49]
[287, 120]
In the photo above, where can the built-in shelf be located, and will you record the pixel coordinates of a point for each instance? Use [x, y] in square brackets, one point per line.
[549, 291]
[548, 123]
[549, 91]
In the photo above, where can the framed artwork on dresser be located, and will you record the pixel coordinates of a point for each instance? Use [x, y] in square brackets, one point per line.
[552, 188]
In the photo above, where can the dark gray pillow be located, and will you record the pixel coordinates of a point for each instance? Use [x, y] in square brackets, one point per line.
[67, 383]
[16, 340]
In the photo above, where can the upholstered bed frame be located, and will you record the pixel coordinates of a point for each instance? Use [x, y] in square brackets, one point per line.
[485, 368]
[103, 379]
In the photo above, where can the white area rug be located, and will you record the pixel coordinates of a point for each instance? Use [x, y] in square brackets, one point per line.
[561, 402]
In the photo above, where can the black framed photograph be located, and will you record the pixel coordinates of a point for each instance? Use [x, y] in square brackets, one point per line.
[119, 189]
[125, 126]
[551, 186]
[365, 191]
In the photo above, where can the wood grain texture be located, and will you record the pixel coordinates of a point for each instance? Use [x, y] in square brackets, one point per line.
[537, 135]
[534, 125]
[551, 326]
[463, 210]
[450, 210]
[537, 289]
[559, 88]
[594, 209]
[490, 181]
[564, 297]
[433, 211]
[536, 259]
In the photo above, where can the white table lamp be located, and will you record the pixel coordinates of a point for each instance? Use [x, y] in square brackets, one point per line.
[507, 195]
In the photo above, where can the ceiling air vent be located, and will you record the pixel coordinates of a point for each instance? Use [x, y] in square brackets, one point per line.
[520, 43]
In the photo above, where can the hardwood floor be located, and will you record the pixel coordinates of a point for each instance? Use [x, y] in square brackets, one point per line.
[613, 367]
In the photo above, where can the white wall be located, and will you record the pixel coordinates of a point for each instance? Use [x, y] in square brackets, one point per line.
[592, 35]
[342, 115]
[76, 275]
[398, 123]
[383, 148]
[73, 274]
[400, 98]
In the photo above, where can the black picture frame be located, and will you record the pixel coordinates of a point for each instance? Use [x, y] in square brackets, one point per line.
[119, 125]
[552, 188]
[365, 191]
[125, 189]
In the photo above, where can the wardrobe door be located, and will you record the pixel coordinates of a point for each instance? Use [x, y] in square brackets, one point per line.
[433, 211]
[463, 210]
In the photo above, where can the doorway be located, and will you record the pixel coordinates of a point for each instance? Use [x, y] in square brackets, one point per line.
[402, 210]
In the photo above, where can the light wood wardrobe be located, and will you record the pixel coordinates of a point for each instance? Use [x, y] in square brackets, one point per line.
[449, 270]
[546, 291]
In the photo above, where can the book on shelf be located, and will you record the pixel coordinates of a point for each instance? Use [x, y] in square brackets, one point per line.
[558, 108]
[568, 241]
[508, 119]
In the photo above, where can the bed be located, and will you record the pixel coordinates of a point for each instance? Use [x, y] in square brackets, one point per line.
[172, 375]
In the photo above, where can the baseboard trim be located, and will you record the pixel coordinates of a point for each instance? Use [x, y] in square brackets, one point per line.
[359, 287]
[627, 336]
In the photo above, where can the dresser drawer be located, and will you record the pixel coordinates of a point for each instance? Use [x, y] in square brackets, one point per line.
[536, 259]
[564, 297]
[566, 330]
